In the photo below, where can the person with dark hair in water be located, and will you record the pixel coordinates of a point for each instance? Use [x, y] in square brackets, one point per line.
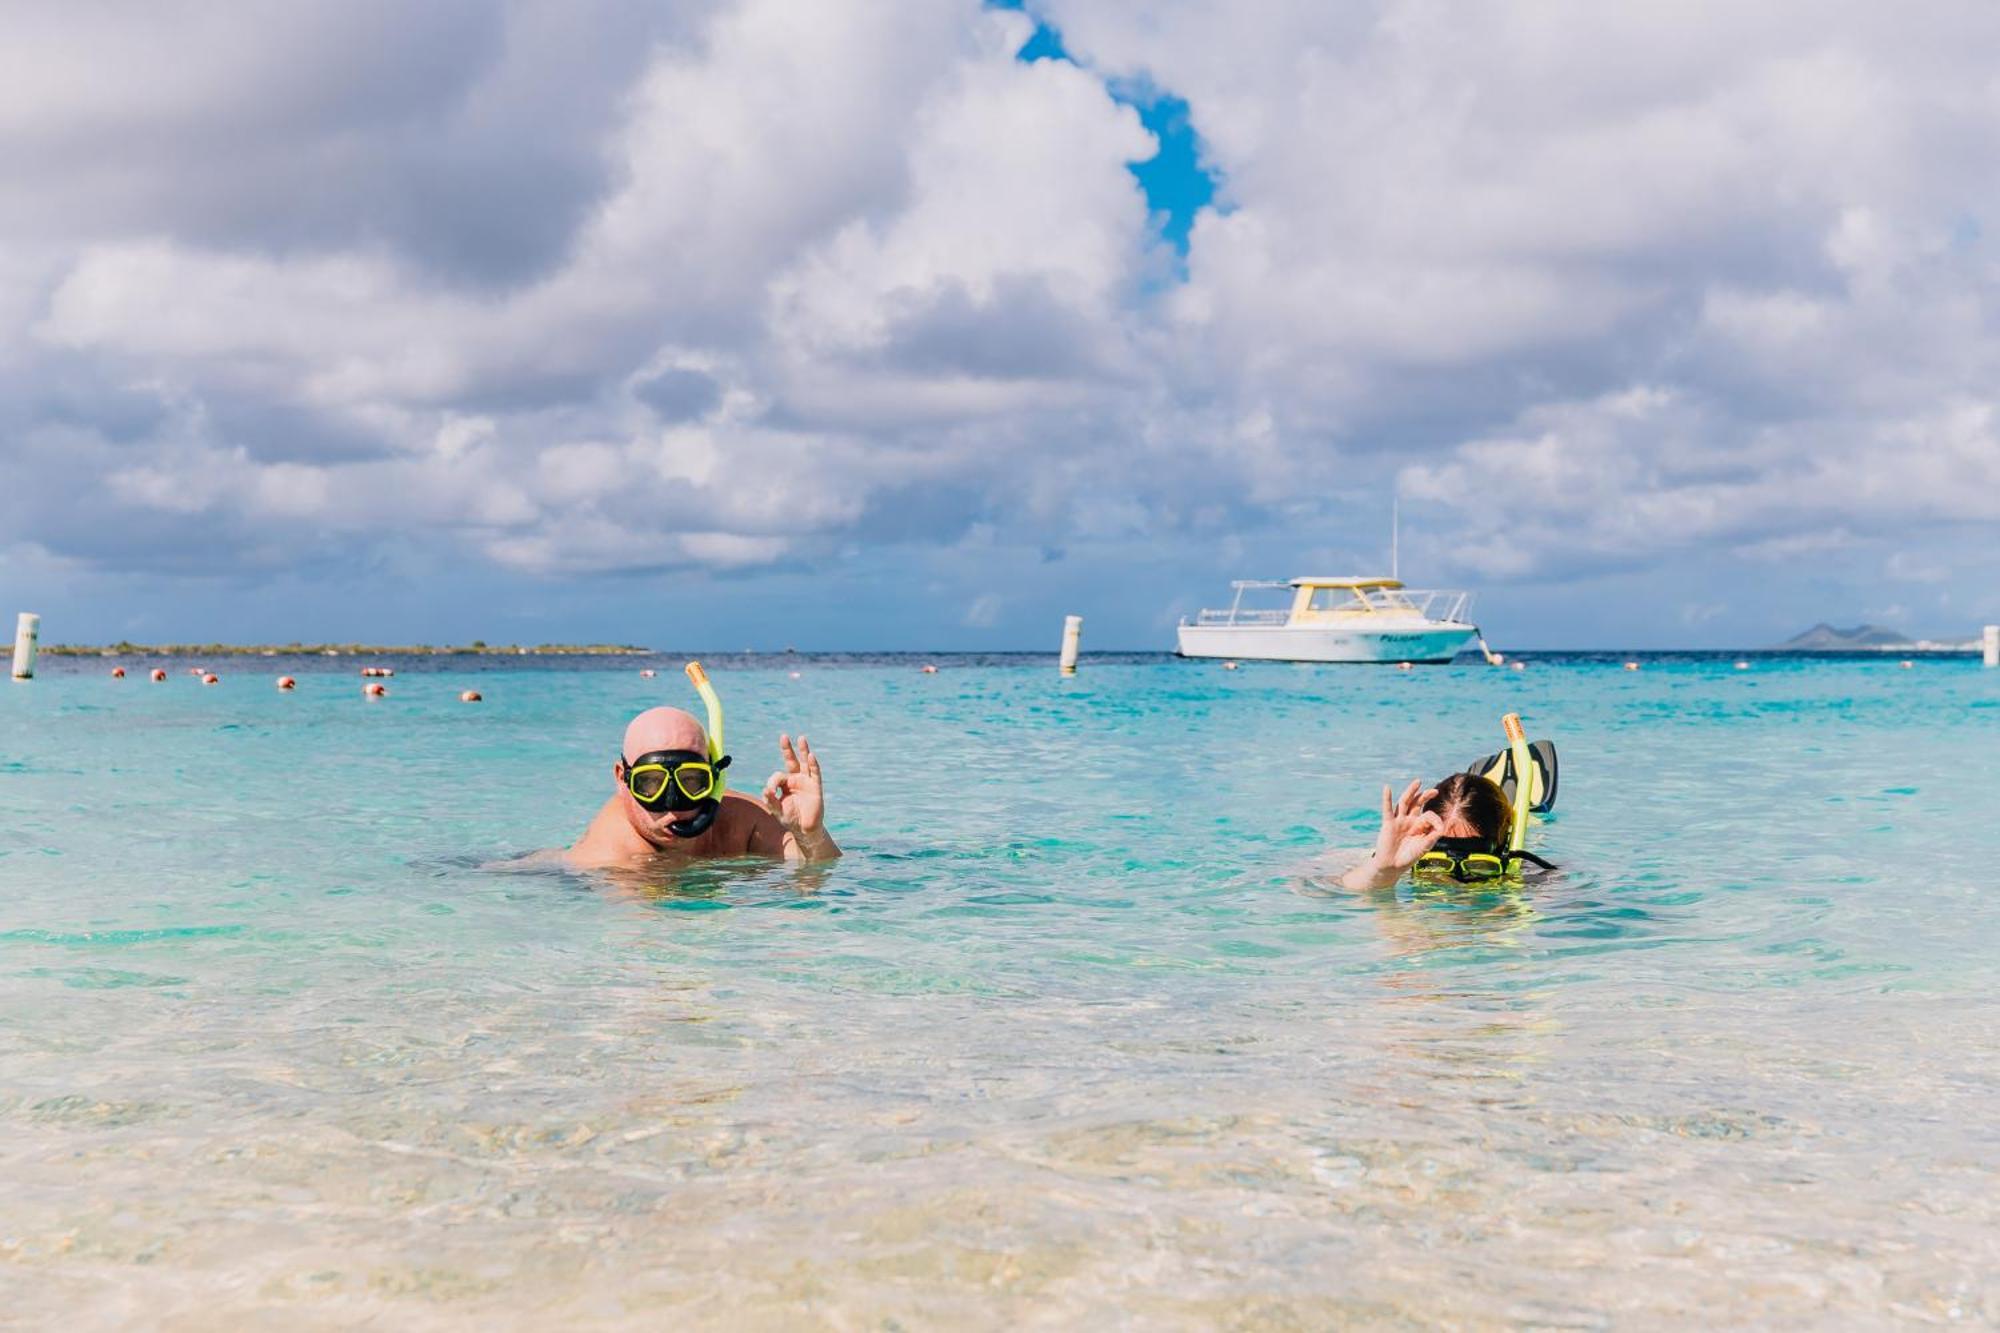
[1460, 829]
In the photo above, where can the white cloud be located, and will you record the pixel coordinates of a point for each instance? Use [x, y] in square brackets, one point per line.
[983, 611]
[753, 282]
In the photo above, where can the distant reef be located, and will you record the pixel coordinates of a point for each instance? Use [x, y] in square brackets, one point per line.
[477, 648]
[1825, 638]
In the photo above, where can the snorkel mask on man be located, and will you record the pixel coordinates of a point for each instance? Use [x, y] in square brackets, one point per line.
[663, 781]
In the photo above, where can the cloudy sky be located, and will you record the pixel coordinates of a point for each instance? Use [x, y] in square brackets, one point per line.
[856, 323]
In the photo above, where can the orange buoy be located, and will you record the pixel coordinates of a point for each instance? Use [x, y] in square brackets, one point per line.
[374, 689]
[211, 679]
[159, 674]
[117, 673]
[287, 683]
[469, 696]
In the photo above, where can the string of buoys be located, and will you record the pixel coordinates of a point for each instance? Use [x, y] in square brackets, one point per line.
[373, 689]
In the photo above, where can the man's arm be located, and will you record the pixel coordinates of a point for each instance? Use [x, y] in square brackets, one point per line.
[767, 835]
[818, 845]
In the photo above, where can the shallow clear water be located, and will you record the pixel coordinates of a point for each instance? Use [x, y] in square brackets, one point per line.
[1069, 1037]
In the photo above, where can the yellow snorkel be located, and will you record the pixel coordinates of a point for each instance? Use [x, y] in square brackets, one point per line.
[1526, 781]
[714, 704]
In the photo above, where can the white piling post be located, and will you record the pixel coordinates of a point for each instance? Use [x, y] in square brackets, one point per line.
[1990, 646]
[27, 641]
[1072, 637]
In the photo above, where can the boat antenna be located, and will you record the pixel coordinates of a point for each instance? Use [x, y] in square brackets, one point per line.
[1395, 531]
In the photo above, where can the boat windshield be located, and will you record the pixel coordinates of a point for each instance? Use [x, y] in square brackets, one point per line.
[1256, 602]
[1360, 600]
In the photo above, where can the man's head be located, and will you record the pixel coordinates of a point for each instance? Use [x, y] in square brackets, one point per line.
[656, 732]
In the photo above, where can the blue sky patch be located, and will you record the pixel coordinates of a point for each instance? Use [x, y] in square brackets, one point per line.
[1176, 184]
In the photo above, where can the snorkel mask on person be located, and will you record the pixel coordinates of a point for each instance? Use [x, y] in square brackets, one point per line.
[1473, 860]
[675, 780]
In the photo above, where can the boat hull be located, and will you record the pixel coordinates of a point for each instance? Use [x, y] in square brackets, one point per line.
[1419, 642]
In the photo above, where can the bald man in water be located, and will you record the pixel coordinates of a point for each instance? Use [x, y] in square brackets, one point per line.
[790, 821]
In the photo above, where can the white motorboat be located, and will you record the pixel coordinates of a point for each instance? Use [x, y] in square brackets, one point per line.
[1335, 620]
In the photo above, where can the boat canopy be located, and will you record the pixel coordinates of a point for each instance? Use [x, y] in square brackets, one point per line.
[1330, 601]
[1346, 582]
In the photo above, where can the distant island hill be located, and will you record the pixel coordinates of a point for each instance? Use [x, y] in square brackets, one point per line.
[477, 648]
[1825, 638]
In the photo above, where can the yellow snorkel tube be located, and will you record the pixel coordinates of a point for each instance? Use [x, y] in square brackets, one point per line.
[1526, 781]
[713, 702]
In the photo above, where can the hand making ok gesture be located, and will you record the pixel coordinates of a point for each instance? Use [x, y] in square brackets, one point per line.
[793, 793]
[1408, 830]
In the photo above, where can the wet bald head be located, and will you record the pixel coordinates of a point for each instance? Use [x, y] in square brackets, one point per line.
[664, 729]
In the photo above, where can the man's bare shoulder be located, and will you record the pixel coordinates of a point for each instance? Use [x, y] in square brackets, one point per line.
[609, 841]
[749, 827]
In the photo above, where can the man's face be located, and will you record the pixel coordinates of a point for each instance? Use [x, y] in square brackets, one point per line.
[655, 729]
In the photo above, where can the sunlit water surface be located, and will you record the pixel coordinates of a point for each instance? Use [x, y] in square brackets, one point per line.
[1069, 1037]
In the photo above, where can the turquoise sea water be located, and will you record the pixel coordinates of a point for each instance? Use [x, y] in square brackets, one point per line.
[1071, 1036]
